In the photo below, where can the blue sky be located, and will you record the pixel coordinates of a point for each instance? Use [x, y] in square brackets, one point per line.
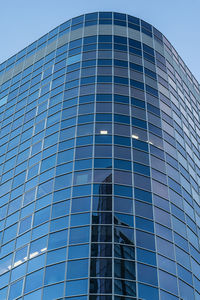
[24, 21]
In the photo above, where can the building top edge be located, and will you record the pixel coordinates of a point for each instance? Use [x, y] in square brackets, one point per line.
[71, 22]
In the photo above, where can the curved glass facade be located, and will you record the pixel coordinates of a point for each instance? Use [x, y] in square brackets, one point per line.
[99, 165]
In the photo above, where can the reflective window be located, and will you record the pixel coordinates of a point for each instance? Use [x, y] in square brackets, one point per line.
[34, 280]
[54, 273]
[76, 287]
[77, 269]
[54, 291]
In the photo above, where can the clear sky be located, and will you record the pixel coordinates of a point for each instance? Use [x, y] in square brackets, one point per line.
[24, 21]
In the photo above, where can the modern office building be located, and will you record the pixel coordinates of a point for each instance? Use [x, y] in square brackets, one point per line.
[99, 165]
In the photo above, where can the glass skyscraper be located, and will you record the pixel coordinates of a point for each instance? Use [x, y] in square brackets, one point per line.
[99, 166]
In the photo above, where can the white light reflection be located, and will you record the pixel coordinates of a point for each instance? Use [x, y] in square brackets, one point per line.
[32, 255]
[17, 263]
[44, 249]
[103, 132]
[135, 136]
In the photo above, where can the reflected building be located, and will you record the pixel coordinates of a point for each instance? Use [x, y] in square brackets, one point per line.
[99, 166]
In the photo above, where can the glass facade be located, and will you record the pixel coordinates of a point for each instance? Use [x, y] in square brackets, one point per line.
[99, 166]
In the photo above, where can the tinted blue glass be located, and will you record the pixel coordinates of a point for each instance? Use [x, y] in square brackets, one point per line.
[37, 262]
[186, 290]
[105, 21]
[76, 287]
[142, 169]
[78, 251]
[140, 145]
[137, 102]
[104, 139]
[166, 296]
[34, 281]
[85, 119]
[81, 204]
[143, 195]
[122, 140]
[139, 123]
[121, 119]
[125, 220]
[81, 190]
[64, 168]
[136, 67]
[152, 91]
[68, 123]
[77, 20]
[123, 190]
[102, 163]
[146, 32]
[62, 195]
[147, 292]
[56, 255]
[79, 235]
[58, 224]
[144, 224]
[147, 274]
[145, 240]
[83, 164]
[153, 109]
[105, 15]
[15, 290]
[80, 219]
[77, 269]
[34, 295]
[53, 291]
[54, 273]
[122, 164]
[63, 181]
[150, 73]
[146, 256]
[168, 282]
[90, 40]
[58, 239]
[42, 216]
[65, 156]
